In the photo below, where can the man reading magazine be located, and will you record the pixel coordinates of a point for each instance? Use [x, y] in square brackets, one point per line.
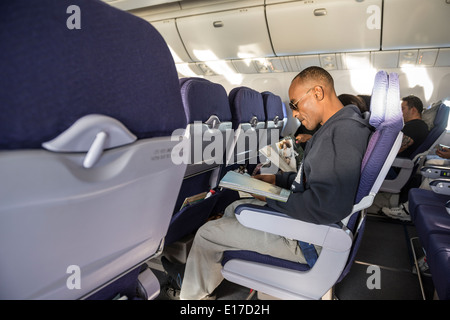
[323, 190]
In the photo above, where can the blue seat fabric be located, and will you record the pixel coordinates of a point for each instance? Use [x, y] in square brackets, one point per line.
[201, 99]
[59, 75]
[432, 223]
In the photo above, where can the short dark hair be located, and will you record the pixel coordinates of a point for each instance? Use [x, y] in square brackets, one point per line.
[316, 73]
[414, 102]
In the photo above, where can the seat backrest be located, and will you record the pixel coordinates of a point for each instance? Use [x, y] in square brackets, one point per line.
[386, 118]
[440, 123]
[209, 121]
[275, 121]
[88, 184]
[247, 110]
[209, 126]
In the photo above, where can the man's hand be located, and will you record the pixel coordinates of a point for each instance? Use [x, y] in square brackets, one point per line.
[258, 197]
[269, 178]
[443, 152]
[303, 137]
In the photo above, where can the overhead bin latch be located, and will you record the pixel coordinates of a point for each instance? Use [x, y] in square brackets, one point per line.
[320, 12]
[218, 24]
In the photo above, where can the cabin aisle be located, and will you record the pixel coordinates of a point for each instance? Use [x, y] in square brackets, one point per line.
[386, 244]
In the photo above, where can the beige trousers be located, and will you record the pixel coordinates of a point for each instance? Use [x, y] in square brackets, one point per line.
[203, 267]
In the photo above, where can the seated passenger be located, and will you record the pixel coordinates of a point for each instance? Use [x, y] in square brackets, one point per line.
[347, 99]
[323, 190]
[302, 135]
[415, 129]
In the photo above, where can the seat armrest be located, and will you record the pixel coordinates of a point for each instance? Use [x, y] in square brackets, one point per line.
[395, 185]
[403, 163]
[266, 219]
[441, 186]
[435, 172]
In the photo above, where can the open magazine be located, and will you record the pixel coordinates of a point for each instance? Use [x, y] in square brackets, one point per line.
[242, 182]
[284, 155]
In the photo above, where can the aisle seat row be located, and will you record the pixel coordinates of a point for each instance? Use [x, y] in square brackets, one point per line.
[429, 210]
[210, 112]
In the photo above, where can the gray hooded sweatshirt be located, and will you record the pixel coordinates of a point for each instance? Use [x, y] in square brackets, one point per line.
[324, 189]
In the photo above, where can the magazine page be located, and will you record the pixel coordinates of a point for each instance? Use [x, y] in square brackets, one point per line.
[287, 153]
[236, 181]
[284, 157]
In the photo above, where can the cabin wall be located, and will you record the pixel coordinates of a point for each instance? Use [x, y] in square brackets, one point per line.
[429, 84]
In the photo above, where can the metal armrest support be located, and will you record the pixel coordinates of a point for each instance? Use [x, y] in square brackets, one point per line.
[403, 163]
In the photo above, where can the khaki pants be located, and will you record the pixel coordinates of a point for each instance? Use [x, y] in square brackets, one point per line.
[203, 266]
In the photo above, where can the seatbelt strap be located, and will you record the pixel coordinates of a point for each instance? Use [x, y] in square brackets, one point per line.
[309, 251]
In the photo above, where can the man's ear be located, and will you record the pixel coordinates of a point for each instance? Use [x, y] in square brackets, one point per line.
[416, 112]
[319, 93]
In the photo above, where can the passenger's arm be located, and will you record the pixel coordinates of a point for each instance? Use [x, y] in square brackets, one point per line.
[406, 143]
[332, 168]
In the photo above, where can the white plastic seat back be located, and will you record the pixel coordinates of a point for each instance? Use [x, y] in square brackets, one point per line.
[89, 101]
[63, 224]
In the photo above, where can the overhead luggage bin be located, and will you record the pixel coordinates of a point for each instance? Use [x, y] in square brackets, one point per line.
[321, 26]
[168, 30]
[409, 24]
[233, 34]
[443, 58]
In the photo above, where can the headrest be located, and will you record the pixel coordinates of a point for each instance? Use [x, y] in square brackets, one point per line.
[116, 65]
[393, 115]
[203, 98]
[441, 118]
[381, 141]
[378, 99]
[183, 80]
[385, 102]
[273, 106]
[246, 104]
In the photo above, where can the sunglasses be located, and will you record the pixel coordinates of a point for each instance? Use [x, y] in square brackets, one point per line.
[294, 105]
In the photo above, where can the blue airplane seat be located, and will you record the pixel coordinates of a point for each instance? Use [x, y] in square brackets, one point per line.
[290, 280]
[428, 210]
[274, 113]
[247, 110]
[418, 197]
[209, 122]
[438, 259]
[89, 100]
